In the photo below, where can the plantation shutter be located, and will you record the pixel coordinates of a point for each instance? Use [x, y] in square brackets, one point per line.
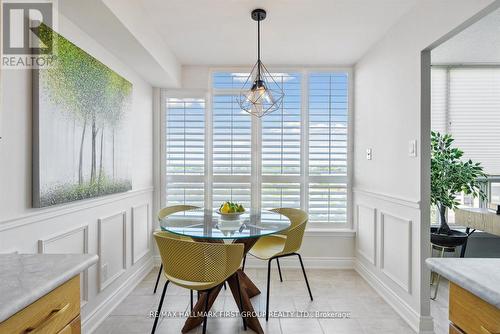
[185, 151]
[328, 124]
[280, 195]
[281, 130]
[231, 137]
[234, 192]
[281, 147]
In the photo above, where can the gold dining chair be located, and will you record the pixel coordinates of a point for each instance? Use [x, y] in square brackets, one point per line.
[162, 214]
[199, 266]
[281, 245]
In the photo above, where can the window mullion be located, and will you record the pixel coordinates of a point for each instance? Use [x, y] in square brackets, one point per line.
[208, 152]
[256, 156]
[304, 142]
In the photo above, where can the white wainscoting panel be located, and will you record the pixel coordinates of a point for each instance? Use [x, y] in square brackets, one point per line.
[140, 232]
[112, 248]
[396, 245]
[366, 240]
[74, 241]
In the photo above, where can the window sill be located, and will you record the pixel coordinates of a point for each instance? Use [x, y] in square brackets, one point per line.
[330, 232]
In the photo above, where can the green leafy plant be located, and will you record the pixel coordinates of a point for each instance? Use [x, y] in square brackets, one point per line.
[450, 175]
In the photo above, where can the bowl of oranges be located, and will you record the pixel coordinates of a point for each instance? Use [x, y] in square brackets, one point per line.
[230, 210]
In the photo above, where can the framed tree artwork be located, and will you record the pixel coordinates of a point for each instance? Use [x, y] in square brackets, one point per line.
[80, 127]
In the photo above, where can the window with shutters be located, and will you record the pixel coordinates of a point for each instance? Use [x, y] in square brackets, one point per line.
[296, 156]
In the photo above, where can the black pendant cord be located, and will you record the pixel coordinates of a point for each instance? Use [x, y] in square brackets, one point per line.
[258, 49]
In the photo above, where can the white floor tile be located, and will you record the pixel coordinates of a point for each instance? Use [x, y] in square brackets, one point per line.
[333, 290]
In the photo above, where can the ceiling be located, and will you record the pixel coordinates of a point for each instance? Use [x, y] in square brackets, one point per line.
[479, 43]
[295, 32]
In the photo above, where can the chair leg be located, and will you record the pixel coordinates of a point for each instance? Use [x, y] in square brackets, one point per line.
[438, 279]
[158, 278]
[241, 301]
[159, 307]
[305, 276]
[191, 292]
[268, 287]
[279, 269]
[206, 311]
[436, 288]
[244, 260]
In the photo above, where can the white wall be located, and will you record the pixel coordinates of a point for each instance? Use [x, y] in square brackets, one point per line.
[390, 204]
[117, 227]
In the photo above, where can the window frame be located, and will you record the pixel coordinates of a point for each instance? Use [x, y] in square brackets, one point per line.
[256, 179]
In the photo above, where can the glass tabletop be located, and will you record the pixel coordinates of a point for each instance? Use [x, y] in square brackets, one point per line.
[208, 224]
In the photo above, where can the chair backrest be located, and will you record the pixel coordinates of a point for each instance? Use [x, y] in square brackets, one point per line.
[295, 233]
[198, 261]
[173, 209]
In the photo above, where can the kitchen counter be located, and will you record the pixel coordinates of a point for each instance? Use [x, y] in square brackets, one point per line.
[24, 278]
[481, 277]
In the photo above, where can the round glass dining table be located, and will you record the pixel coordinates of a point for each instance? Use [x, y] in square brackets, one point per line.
[205, 225]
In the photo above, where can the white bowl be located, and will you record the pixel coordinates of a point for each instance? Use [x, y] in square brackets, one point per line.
[230, 216]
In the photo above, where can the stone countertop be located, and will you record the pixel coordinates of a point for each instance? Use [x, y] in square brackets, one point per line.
[25, 278]
[479, 276]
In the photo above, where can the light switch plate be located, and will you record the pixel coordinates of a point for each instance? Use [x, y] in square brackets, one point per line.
[412, 148]
[368, 154]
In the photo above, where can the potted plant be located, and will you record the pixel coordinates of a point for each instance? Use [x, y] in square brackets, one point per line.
[450, 175]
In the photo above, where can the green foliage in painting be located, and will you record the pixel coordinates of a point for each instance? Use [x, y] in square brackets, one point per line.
[74, 192]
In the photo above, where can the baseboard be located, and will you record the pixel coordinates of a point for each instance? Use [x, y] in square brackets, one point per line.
[293, 262]
[99, 314]
[420, 324]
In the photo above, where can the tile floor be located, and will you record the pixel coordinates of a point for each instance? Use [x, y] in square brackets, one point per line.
[333, 290]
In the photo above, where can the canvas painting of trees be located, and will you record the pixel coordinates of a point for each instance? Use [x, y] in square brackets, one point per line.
[80, 127]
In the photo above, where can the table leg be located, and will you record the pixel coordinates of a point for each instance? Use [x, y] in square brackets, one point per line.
[245, 281]
[194, 320]
[247, 285]
[252, 320]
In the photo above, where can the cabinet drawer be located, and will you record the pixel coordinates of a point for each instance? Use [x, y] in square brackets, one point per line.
[49, 314]
[73, 327]
[472, 314]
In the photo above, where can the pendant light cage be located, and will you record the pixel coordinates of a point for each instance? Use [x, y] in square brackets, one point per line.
[260, 94]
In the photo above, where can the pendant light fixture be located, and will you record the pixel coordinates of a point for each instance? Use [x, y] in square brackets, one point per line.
[260, 94]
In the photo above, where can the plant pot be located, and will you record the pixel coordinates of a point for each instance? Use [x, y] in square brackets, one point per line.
[456, 238]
